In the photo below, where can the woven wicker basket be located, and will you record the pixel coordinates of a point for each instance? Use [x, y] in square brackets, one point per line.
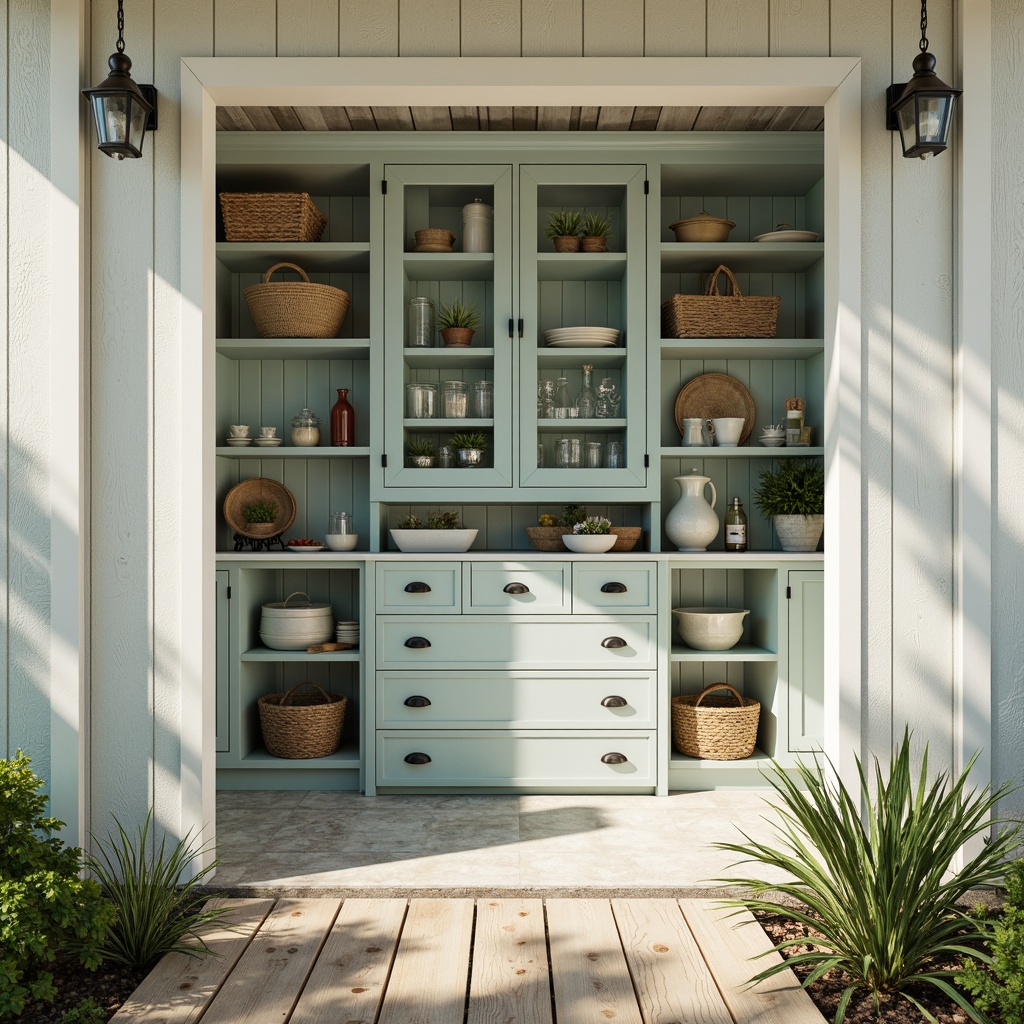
[715, 728]
[270, 217]
[301, 725]
[296, 309]
[714, 315]
[548, 538]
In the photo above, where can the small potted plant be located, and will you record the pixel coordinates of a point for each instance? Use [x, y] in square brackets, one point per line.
[469, 448]
[564, 230]
[261, 518]
[441, 532]
[457, 322]
[591, 536]
[421, 453]
[793, 497]
[597, 229]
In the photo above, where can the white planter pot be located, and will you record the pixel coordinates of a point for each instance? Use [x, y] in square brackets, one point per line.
[433, 540]
[589, 543]
[799, 533]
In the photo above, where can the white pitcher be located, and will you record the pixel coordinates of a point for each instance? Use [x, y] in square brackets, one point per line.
[692, 523]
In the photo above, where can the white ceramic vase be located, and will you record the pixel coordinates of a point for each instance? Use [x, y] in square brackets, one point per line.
[799, 533]
[692, 523]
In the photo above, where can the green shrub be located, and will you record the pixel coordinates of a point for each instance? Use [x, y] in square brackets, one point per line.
[88, 1011]
[571, 515]
[44, 906]
[796, 488]
[878, 889]
[998, 987]
[156, 910]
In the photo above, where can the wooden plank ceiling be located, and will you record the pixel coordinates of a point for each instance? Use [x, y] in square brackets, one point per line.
[520, 119]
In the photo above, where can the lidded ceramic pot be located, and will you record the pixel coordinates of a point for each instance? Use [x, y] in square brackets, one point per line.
[477, 227]
[291, 625]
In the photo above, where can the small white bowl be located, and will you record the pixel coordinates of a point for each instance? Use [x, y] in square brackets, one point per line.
[589, 543]
[342, 541]
[710, 629]
[728, 430]
[433, 540]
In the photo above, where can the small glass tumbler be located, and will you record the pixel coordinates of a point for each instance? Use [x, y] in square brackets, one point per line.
[454, 399]
[340, 523]
[421, 400]
[540, 456]
[445, 457]
[594, 455]
[483, 399]
[613, 458]
[568, 452]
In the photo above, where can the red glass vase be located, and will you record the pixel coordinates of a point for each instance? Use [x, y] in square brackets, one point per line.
[343, 422]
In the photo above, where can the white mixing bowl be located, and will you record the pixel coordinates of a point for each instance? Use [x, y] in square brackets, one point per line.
[710, 629]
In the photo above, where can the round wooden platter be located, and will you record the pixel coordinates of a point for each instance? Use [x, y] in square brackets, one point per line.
[713, 395]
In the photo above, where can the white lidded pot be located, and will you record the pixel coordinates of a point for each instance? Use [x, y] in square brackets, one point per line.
[477, 227]
[691, 523]
[295, 625]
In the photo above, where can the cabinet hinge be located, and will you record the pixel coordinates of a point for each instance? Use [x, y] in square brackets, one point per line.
[384, 186]
[229, 594]
[789, 593]
[647, 461]
[384, 461]
[511, 328]
[647, 187]
[520, 327]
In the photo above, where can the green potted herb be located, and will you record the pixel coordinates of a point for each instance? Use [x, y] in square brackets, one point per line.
[421, 453]
[261, 518]
[457, 322]
[793, 497]
[442, 531]
[470, 448]
[596, 229]
[564, 230]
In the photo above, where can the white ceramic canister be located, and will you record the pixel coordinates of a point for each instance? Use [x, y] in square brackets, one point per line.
[477, 227]
[295, 625]
[691, 523]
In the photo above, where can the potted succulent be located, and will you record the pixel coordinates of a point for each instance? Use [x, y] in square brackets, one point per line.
[793, 497]
[457, 322]
[591, 536]
[421, 453]
[597, 229]
[469, 448]
[261, 518]
[564, 230]
[441, 532]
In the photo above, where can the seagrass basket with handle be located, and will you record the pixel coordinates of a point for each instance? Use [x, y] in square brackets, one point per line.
[296, 309]
[714, 315]
[302, 725]
[715, 728]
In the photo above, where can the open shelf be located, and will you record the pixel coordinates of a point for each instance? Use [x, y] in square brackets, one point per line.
[283, 452]
[267, 654]
[468, 357]
[741, 348]
[599, 358]
[294, 348]
[741, 257]
[449, 266]
[581, 266]
[743, 452]
[344, 757]
[756, 760]
[459, 425]
[259, 257]
[741, 652]
[575, 426]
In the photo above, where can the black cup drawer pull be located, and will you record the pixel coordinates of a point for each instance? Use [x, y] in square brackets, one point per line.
[612, 758]
[417, 702]
[416, 587]
[417, 642]
[608, 702]
[516, 588]
[613, 588]
[613, 642]
[421, 758]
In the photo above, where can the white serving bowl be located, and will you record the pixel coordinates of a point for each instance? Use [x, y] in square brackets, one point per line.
[728, 430]
[433, 540]
[342, 541]
[710, 629]
[589, 543]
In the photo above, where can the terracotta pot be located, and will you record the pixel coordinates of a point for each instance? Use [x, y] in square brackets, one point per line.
[594, 243]
[457, 337]
[567, 243]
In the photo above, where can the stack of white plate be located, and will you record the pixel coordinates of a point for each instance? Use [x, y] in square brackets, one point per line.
[581, 337]
[347, 633]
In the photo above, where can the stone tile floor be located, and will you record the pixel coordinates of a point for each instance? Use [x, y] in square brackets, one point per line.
[327, 840]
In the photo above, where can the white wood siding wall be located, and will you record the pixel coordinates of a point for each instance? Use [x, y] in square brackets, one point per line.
[136, 377]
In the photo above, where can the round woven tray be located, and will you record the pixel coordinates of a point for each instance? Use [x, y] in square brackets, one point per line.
[715, 728]
[259, 488]
[713, 395]
[301, 725]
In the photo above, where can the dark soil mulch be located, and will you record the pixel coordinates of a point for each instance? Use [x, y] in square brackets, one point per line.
[110, 985]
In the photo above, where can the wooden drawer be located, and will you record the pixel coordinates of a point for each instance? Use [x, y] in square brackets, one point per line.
[516, 758]
[479, 642]
[515, 700]
[600, 587]
[434, 587]
[517, 588]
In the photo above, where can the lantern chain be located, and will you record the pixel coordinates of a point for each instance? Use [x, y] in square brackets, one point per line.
[924, 26]
[120, 26]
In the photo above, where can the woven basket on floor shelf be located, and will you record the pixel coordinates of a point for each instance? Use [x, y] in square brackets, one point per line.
[715, 728]
[302, 725]
[270, 217]
[713, 315]
[296, 309]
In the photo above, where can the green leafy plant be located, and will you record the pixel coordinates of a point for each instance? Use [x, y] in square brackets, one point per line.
[571, 515]
[596, 225]
[421, 448]
[260, 512]
[877, 892]
[45, 908]
[157, 910]
[458, 314]
[435, 521]
[593, 525]
[88, 1011]
[996, 978]
[563, 224]
[476, 440]
[410, 523]
[796, 488]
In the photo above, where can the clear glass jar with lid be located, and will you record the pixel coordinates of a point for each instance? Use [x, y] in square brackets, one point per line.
[421, 400]
[454, 399]
[306, 429]
[422, 323]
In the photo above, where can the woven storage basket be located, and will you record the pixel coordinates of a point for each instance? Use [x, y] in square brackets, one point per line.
[715, 728]
[296, 309]
[548, 538]
[270, 217]
[300, 725]
[713, 315]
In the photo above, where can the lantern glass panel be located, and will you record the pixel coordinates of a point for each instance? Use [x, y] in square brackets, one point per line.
[110, 113]
[137, 125]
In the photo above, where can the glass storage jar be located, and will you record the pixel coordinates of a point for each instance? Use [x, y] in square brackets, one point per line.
[421, 400]
[483, 399]
[568, 453]
[421, 323]
[454, 399]
[306, 429]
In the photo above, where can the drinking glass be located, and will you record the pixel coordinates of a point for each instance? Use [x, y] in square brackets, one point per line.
[483, 399]
[593, 455]
[613, 455]
[568, 453]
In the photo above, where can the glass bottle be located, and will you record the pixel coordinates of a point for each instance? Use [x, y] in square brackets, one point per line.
[609, 401]
[306, 429]
[563, 407]
[586, 400]
[735, 527]
[545, 399]
[343, 421]
[421, 322]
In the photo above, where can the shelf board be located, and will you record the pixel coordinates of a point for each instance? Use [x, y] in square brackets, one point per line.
[266, 654]
[344, 757]
[449, 266]
[756, 759]
[741, 348]
[581, 266]
[320, 452]
[575, 426]
[742, 452]
[602, 358]
[259, 257]
[469, 357]
[741, 652]
[294, 348]
[460, 425]
[740, 257]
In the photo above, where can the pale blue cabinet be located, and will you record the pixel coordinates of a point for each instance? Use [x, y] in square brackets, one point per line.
[222, 583]
[806, 660]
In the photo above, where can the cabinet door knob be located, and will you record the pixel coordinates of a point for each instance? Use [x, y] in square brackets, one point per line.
[608, 702]
[613, 588]
[417, 642]
[417, 702]
[417, 588]
[516, 588]
[613, 642]
[421, 758]
[612, 758]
